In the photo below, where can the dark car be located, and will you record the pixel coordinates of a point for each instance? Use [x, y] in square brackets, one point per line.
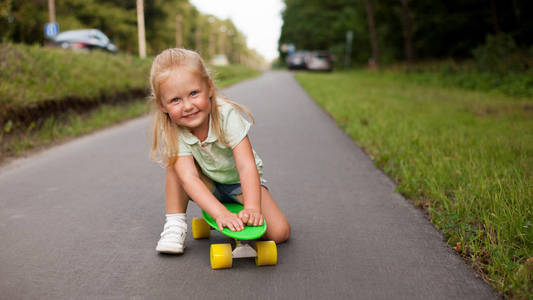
[296, 60]
[319, 61]
[84, 40]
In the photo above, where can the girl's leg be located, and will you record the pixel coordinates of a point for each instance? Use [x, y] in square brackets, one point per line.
[172, 239]
[174, 231]
[278, 229]
[175, 196]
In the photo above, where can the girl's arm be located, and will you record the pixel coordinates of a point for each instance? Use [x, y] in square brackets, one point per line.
[198, 191]
[250, 184]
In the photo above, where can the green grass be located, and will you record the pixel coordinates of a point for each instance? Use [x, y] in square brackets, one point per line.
[30, 75]
[227, 75]
[33, 74]
[465, 157]
[69, 125]
[466, 75]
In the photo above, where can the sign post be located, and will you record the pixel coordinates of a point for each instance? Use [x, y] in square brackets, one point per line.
[288, 48]
[51, 11]
[140, 28]
[348, 52]
[51, 30]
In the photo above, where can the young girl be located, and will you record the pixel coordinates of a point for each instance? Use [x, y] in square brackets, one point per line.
[203, 140]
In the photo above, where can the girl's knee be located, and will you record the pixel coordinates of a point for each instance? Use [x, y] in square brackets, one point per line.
[279, 233]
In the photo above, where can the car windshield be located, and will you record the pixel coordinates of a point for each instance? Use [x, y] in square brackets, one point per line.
[69, 35]
[321, 55]
[99, 35]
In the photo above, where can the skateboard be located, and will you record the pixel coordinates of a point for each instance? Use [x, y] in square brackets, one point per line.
[222, 255]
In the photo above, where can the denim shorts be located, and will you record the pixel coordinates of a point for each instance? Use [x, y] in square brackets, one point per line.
[227, 193]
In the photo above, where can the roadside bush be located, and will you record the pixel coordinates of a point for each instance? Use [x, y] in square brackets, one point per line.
[48, 94]
[500, 54]
[31, 75]
[467, 75]
[36, 80]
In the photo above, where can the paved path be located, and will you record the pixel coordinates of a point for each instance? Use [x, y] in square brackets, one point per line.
[82, 220]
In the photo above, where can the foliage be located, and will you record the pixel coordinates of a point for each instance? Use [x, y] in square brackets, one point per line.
[466, 75]
[228, 75]
[68, 125]
[23, 22]
[40, 81]
[500, 54]
[465, 157]
[32, 74]
[440, 28]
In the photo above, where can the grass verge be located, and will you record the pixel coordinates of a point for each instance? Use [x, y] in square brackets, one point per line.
[465, 157]
[70, 124]
[58, 128]
[50, 95]
[31, 75]
[465, 75]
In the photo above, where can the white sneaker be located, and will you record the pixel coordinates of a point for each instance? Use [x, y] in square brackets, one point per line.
[172, 238]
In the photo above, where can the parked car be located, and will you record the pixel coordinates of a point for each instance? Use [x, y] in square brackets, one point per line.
[319, 61]
[84, 40]
[296, 60]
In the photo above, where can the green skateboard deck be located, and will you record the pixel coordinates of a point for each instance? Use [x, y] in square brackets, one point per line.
[248, 233]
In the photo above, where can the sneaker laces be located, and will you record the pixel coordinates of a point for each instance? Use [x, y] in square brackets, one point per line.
[174, 230]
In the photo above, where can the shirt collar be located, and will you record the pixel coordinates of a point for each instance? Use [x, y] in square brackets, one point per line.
[191, 139]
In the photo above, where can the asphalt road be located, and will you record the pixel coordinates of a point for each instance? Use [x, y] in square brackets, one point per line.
[81, 220]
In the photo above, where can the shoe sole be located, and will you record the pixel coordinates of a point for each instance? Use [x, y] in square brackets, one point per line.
[169, 249]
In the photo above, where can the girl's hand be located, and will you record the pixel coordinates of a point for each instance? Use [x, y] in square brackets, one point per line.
[251, 217]
[229, 220]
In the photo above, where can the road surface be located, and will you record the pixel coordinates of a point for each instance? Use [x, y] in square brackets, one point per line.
[81, 220]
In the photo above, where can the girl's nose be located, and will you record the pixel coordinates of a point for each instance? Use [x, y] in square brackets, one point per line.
[187, 105]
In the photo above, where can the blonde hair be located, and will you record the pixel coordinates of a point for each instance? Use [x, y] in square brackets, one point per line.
[165, 133]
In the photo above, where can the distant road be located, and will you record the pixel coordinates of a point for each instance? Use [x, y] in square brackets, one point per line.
[82, 220]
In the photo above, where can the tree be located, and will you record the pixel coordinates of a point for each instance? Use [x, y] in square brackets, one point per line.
[372, 32]
[117, 19]
[442, 28]
[407, 32]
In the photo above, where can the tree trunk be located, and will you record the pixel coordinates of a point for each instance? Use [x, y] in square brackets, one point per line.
[495, 19]
[373, 36]
[198, 39]
[516, 11]
[407, 32]
[140, 29]
[179, 31]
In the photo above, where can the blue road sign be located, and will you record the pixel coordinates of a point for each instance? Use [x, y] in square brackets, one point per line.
[291, 49]
[51, 30]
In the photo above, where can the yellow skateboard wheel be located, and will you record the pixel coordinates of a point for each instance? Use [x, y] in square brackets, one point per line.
[267, 253]
[200, 229]
[221, 256]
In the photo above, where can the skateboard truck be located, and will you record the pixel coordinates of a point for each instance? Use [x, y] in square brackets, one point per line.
[243, 250]
[265, 252]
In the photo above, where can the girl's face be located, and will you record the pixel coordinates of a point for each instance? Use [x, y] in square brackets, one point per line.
[185, 97]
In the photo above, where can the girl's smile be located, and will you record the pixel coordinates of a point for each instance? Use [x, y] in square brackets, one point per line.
[185, 97]
[190, 116]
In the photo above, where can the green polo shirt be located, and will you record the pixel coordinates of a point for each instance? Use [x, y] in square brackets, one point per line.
[216, 160]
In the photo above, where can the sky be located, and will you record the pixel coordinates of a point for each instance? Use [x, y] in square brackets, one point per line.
[259, 20]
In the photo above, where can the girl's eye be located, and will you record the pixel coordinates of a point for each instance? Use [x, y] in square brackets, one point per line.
[194, 93]
[174, 100]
